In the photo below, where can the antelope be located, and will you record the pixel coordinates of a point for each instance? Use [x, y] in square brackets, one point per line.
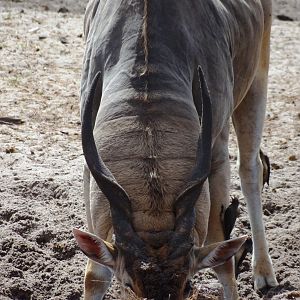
[161, 81]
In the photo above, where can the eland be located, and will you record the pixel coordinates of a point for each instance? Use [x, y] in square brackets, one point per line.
[161, 81]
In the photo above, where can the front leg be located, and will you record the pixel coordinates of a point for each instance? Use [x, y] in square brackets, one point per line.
[97, 279]
[219, 181]
[248, 122]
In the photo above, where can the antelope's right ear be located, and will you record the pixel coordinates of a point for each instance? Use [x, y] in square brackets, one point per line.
[95, 248]
[216, 254]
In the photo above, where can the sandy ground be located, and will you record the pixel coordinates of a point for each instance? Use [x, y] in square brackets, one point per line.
[41, 159]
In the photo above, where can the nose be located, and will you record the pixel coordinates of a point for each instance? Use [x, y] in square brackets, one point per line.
[187, 289]
[170, 297]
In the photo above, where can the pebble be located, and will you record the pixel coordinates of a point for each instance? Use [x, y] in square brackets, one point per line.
[276, 166]
[63, 40]
[42, 37]
[292, 157]
[63, 10]
[33, 30]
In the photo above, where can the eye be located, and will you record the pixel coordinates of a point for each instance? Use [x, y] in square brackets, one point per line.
[129, 286]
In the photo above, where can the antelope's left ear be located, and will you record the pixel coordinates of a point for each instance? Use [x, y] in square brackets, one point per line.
[216, 254]
[95, 248]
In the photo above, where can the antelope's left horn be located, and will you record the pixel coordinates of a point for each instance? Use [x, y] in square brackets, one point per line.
[185, 203]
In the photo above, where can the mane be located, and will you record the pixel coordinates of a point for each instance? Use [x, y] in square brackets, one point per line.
[145, 48]
[150, 136]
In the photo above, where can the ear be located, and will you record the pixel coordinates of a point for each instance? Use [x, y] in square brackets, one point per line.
[216, 254]
[95, 248]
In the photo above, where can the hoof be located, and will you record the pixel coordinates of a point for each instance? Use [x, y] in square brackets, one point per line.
[262, 282]
[264, 276]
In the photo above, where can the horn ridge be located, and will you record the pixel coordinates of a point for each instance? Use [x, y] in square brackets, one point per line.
[185, 202]
[200, 90]
[203, 157]
[115, 194]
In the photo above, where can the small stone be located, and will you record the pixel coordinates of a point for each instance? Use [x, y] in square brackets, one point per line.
[63, 10]
[33, 30]
[11, 150]
[276, 166]
[292, 157]
[42, 37]
[284, 18]
[63, 40]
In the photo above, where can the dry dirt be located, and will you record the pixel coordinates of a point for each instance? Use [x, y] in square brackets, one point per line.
[41, 159]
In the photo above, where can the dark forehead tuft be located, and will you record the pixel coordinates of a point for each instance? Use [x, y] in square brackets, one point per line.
[161, 280]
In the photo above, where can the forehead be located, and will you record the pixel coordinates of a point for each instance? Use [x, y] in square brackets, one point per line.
[156, 263]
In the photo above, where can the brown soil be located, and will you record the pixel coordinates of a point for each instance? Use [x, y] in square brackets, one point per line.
[41, 158]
